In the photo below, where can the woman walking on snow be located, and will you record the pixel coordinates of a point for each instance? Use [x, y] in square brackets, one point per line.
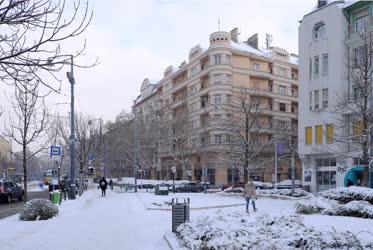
[250, 194]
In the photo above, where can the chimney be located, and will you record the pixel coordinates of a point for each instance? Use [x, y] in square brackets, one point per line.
[234, 35]
[321, 3]
[253, 41]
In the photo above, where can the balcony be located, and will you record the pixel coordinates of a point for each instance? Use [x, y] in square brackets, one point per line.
[352, 35]
[178, 101]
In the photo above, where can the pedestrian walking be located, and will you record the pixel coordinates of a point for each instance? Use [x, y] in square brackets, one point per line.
[111, 184]
[349, 183]
[250, 194]
[103, 186]
[63, 188]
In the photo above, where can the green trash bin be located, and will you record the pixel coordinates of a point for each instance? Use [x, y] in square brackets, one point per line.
[55, 197]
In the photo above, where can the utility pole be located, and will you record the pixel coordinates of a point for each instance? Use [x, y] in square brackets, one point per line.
[70, 76]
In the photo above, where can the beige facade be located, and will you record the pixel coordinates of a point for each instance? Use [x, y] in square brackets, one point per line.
[218, 73]
[5, 156]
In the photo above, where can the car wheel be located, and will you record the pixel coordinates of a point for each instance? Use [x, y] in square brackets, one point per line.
[9, 198]
[20, 198]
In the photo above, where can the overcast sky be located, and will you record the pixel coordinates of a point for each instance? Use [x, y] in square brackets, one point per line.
[139, 39]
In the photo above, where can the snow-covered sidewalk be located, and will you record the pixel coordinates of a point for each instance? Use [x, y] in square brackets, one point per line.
[117, 221]
[122, 221]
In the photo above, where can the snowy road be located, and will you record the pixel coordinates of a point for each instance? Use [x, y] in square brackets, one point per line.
[14, 207]
[118, 221]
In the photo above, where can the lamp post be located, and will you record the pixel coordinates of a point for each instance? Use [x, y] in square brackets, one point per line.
[70, 77]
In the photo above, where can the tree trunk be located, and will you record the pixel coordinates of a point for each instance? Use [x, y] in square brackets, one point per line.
[292, 173]
[246, 164]
[24, 169]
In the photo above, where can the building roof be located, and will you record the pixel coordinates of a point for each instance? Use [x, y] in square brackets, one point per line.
[242, 46]
[339, 3]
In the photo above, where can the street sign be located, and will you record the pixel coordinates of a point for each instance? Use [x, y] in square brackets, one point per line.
[55, 152]
[173, 170]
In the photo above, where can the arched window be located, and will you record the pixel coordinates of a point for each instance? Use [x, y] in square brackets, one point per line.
[319, 30]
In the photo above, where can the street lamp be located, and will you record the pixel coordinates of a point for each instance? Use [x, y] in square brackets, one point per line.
[71, 78]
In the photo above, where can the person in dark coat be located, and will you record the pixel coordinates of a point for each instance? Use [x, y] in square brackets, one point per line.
[103, 186]
[111, 184]
[349, 183]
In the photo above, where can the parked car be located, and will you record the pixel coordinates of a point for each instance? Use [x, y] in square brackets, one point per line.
[10, 191]
[189, 187]
[145, 186]
[236, 185]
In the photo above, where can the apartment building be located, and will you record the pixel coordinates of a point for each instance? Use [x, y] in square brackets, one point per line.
[328, 42]
[213, 77]
[5, 156]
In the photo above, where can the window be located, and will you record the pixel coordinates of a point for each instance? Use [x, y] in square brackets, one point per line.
[311, 100]
[282, 90]
[217, 139]
[256, 66]
[217, 99]
[318, 134]
[358, 55]
[282, 107]
[316, 95]
[329, 133]
[228, 99]
[308, 135]
[319, 31]
[326, 180]
[361, 20]
[217, 116]
[310, 68]
[325, 98]
[358, 128]
[316, 66]
[282, 71]
[227, 138]
[228, 59]
[325, 64]
[326, 162]
[194, 70]
[217, 59]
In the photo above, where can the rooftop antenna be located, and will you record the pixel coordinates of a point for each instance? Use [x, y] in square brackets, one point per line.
[269, 40]
[218, 24]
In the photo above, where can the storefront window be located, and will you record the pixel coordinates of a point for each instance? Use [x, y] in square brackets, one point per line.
[326, 180]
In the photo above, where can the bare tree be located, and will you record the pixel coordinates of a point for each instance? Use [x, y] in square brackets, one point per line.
[245, 126]
[285, 134]
[33, 36]
[27, 122]
[355, 107]
[89, 140]
[175, 132]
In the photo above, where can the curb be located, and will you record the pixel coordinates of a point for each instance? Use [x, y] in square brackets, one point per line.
[168, 242]
[171, 242]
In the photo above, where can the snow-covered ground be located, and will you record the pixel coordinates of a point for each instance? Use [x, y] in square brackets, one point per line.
[122, 221]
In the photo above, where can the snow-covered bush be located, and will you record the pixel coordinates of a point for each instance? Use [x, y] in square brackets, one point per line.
[361, 209]
[283, 192]
[347, 194]
[320, 205]
[314, 205]
[237, 231]
[235, 190]
[38, 209]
